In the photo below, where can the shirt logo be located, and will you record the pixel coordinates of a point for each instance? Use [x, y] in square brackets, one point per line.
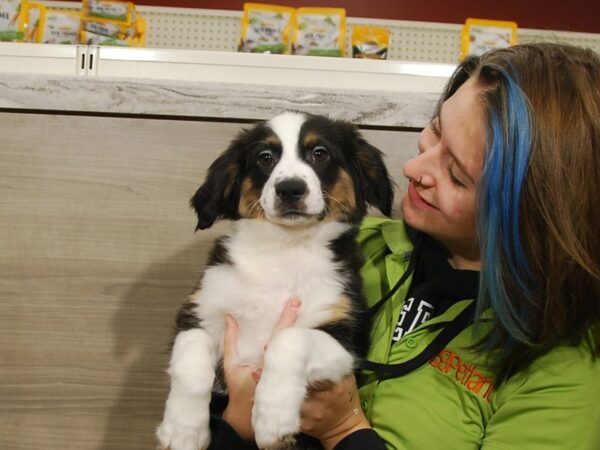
[411, 317]
[449, 362]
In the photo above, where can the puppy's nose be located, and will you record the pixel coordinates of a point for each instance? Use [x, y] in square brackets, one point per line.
[291, 190]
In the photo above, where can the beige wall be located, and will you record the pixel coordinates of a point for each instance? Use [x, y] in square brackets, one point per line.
[97, 250]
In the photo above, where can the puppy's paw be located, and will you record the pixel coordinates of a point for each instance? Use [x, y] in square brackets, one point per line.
[276, 415]
[174, 436]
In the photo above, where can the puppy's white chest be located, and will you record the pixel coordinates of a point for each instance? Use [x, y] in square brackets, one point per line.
[263, 275]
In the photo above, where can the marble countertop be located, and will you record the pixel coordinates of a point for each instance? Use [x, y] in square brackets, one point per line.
[211, 100]
[217, 86]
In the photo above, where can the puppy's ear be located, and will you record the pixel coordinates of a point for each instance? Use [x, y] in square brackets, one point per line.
[218, 197]
[376, 185]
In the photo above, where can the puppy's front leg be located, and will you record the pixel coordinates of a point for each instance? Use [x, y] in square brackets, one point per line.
[295, 358]
[192, 370]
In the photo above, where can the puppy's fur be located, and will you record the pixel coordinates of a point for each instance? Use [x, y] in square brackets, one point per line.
[297, 187]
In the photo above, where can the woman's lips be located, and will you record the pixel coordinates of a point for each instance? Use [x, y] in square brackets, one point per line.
[417, 200]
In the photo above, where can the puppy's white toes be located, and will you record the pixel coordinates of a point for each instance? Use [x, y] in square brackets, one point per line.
[275, 423]
[180, 437]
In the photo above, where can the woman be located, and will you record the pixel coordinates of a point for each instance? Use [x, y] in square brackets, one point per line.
[499, 256]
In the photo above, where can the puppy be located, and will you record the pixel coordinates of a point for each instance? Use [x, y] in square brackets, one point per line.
[297, 188]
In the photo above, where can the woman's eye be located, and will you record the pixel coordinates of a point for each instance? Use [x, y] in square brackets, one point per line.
[266, 159]
[455, 180]
[319, 154]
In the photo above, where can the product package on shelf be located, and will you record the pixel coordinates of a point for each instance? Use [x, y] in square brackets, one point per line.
[33, 16]
[370, 42]
[111, 23]
[123, 12]
[480, 35]
[266, 28]
[51, 26]
[320, 32]
[12, 20]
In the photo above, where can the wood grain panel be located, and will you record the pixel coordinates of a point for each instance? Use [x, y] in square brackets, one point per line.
[97, 250]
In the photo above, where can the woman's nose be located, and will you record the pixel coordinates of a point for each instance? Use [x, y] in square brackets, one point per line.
[420, 167]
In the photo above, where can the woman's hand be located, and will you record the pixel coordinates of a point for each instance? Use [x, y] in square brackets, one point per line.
[241, 379]
[241, 383]
[332, 411]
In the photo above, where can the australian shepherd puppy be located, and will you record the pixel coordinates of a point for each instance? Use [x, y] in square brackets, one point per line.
[297, 188]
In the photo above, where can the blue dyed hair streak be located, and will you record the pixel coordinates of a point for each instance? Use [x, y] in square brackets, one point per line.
[509, 142]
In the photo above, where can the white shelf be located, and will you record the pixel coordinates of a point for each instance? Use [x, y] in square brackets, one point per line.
[272, 70]
[200, 66]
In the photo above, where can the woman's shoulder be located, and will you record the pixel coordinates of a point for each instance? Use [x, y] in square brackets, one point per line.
[376, 223]
[562, 388]
[569, 369]
[377, 233]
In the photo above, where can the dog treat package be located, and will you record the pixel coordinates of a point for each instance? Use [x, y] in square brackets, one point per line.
[480, 35]
[96, 31]
[266, 28]
[58, 27]
[135, 39]
[12, 20]
[111, 10]
[370, 42]
[320, 32]
[112, 23]
[33, 16]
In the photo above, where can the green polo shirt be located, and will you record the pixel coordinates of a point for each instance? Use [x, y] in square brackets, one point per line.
[452, 402]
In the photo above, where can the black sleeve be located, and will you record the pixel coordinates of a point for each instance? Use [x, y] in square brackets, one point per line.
[223, 437]
[361, 440]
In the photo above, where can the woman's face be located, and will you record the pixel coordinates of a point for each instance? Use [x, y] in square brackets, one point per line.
[440, 200]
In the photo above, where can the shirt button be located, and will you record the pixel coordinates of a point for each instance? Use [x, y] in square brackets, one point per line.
[411, 343]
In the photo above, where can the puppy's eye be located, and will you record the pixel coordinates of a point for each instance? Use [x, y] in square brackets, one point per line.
[319, 154]
[266, 159]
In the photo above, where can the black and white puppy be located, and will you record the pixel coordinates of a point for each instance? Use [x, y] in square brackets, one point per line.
[297, 187]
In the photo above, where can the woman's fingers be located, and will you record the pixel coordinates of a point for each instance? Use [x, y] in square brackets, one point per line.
[230, 340]
[288, 316]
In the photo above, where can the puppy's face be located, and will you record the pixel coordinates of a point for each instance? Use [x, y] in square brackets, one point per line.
[295, 170]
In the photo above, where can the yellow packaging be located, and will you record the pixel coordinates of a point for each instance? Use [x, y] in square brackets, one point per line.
[135, 36]
[111, 10]
[88, 38]
[139, 27]
[106, 27]
[266, 28]
[480, 35]
[370, 42]
[12, 20]
[58, 27]
[33, 15]
[320, 32]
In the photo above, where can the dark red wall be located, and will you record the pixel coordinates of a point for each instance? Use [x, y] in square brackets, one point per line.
[565, 15]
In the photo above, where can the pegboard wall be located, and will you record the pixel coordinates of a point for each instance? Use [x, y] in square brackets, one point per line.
[207, 29]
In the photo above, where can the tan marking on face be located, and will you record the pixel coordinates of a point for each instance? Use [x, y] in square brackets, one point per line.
[341, 200]
[249, 205]
[311, 139]
[272, 141]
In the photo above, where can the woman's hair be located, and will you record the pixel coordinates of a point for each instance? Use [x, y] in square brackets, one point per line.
[538, 199]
